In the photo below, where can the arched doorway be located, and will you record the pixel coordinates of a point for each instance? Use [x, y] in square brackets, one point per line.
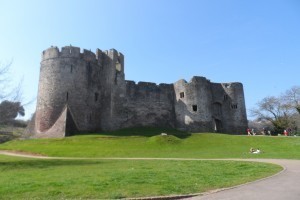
[217, 125]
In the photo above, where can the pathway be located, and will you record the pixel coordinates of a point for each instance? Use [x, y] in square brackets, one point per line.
[283, 186]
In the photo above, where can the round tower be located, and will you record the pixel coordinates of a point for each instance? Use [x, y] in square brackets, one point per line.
[67, 79]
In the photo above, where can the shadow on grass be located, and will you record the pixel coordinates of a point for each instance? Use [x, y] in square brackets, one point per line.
[43, 164]
[142, 131]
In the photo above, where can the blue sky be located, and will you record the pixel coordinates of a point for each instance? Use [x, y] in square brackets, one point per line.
[255, 42]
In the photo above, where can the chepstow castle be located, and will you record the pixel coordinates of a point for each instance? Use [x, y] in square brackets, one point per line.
[86, 92]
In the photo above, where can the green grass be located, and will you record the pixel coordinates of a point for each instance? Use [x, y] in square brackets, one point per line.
[93, 179]
[22, 178]
[150, 144]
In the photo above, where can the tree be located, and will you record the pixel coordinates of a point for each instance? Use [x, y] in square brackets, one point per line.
[9, 111]
[3, 81]
[10, 98]
[292, 97]
[276, 111]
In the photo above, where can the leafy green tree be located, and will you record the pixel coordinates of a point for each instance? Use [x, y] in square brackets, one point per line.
[10, 110]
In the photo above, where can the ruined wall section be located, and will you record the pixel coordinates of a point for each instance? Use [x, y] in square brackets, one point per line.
[148, 104]
[220, 104]
[231, 97]
[193, 106]
[113, 90]
[69, 77]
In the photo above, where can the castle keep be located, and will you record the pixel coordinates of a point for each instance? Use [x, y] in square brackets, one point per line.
[86, 91]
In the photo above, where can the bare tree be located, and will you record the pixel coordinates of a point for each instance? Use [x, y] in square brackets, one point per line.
[3, 81]
[7, 91]
[276, 111]
[10, 97]
[260, 126]
[292, 97]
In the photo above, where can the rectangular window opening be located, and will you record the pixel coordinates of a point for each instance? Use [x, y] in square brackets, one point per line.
[181, 95]
[234, 106]
[96, 96]
[67, 96]
[225, 97]
[195, 108]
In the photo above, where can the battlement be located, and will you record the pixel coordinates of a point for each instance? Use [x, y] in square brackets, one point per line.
[148, 85]
[199, 79]
[231, 85]
[87, 55]
[180, 82]
[194, 80]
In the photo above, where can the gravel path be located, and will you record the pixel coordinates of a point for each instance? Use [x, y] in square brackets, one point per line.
[282, 186]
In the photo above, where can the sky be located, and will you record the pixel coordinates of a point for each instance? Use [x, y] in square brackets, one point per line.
[254, 42]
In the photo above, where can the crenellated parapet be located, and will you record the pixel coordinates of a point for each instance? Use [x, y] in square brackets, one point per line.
[194, 81]
[87, 55]
[148, 86]
[232, 85]
[199, 79]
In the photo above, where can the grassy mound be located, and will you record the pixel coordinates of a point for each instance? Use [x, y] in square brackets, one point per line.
[164, 140]
[142, 132]
[143, 143]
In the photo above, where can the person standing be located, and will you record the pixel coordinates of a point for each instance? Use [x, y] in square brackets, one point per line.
[248, 131]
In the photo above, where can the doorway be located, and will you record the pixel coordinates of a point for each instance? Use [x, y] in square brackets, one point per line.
[217, 125]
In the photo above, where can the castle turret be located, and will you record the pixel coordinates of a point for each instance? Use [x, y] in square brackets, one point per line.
[193, 104]
[234, 107]
[75, 79]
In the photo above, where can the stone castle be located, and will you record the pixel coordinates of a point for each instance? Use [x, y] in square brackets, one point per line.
[86, 92]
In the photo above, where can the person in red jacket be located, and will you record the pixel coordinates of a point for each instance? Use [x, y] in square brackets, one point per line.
[248, 131]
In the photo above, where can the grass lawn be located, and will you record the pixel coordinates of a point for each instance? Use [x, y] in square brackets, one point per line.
[147, 143]
[24, 178]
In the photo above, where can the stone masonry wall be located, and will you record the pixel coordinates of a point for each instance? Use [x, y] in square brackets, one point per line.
[193, 104]
[235, 109]
[93, 87]
[148, 104]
